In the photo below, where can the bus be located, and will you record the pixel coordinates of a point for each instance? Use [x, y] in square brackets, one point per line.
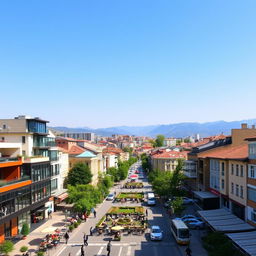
[180, 231]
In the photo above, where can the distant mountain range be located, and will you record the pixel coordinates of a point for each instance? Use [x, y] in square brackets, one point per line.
[170, 130]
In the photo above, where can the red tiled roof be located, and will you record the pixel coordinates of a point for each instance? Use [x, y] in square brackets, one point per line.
[76, 150]
[227, 152]
[171, 154]
[62, 150]
[112, 150]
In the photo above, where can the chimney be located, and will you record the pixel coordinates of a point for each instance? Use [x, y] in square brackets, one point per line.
[244, 126]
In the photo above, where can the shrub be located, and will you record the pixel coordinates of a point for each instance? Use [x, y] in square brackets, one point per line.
[40, 253]
[71, 227]
[76, 225]
[23, 248]
[79, 222]
[6, 247]
[25, 229]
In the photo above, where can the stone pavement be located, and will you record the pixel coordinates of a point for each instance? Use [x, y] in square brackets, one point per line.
[57, 221]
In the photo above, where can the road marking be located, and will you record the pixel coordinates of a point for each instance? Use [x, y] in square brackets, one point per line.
[155, 251]
[100, 251]
[120, 251]
[64, 247]
[129, 250]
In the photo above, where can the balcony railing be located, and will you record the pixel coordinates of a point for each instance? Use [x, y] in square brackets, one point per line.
[190, 173]
[9, 159]
[14, 181]
[44, 142]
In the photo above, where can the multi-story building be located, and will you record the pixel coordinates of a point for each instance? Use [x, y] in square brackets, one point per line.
[28, 138]
[166, 160]
[251, 182]
[81, 136]
[169, 142]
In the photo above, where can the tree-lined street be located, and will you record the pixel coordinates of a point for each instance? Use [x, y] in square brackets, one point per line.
[130, 244]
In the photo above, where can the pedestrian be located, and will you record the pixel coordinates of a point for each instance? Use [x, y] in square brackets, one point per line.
[94, 214]
[82, 250]
[188, 251]
[109, 247]
[146, 212]
[91, 232]
[69, 254]
[85, 240]
[66, 236]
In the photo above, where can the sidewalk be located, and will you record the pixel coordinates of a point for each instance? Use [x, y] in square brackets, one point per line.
[35, 237]
[57, 221]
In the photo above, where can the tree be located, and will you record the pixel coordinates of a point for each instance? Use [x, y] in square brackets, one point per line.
[114, 173]
[161, 184]
[177, 206]
[25, 229]
[79, 174]
[159, 142]
[6, 247]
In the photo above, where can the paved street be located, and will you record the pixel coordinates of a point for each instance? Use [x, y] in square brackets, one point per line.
[130, 244]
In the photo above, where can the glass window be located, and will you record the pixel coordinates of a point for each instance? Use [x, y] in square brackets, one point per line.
[251, 194]
[222, 184]
[223, 168]
[242, 171]
[232, 169]
[54, 184]
[237, 170]
[237, 190]
[23, 139]
[232, 188]
[241, 191]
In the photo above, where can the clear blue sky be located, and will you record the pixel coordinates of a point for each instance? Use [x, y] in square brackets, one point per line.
[128, 62]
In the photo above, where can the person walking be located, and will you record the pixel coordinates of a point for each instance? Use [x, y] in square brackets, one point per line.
[146, 212]
[85, 240]
[94, 214]
[66, 236]
[91, 233]
[188, 251]
[82, 250]
[109, 247]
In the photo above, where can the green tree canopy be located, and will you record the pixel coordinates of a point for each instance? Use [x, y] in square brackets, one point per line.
[79, 174]
[6, 247]
[159, 142]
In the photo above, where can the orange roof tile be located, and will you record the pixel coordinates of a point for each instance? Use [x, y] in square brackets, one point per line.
[227, 152]
[171, 154]
[76, 150]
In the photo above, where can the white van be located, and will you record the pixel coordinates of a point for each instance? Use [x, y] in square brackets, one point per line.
[151, 199]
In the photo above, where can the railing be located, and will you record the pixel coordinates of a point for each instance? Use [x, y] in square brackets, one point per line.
[9, 159]
[10, 182]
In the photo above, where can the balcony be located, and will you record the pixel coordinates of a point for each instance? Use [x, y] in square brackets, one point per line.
[14, 184]
[35, 159]
[43, 142]
[190, 169]
[10, 161]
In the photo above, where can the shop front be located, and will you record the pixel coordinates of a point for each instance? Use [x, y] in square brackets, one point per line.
[38, 215]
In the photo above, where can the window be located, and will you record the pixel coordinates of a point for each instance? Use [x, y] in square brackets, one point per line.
[252, 194]
[222, 169]
[251, 173]
[237, 170]
[242, 171]
[241, 191]
[232, 169]
[237, 190]
[54, 184]
[4, 126]
[23, 139]
[222, 184]
[232, 188]
[253, 215]
[2, 139]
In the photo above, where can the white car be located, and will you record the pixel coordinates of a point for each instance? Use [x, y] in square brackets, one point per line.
[110, 197]
[156, 233]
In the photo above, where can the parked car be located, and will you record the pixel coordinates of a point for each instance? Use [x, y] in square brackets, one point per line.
[156, 233]
[110, 197]
[194, 223]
